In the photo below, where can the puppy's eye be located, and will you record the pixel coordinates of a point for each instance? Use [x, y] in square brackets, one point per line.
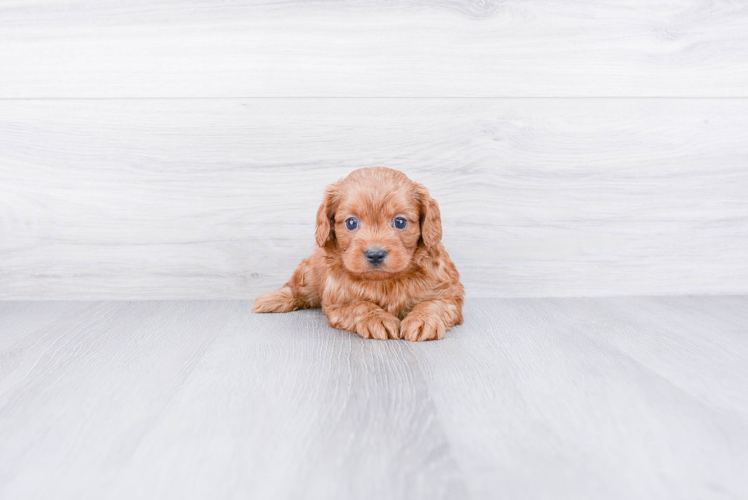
[400, 223]
[351, 223]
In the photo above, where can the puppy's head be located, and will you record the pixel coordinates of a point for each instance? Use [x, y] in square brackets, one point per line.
[376, 219]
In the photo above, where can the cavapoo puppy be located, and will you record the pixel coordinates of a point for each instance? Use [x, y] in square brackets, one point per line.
[380, 269]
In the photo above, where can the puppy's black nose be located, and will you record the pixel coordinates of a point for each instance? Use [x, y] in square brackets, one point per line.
[375, 255]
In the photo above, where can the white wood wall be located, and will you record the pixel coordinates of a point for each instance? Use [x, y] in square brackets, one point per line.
[178, 149]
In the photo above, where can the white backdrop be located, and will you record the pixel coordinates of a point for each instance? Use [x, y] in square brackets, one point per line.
[179, 149]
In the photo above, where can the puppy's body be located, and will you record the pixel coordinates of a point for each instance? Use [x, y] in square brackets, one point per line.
[380, 269]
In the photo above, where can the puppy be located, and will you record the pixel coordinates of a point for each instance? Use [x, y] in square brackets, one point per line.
[379, 269]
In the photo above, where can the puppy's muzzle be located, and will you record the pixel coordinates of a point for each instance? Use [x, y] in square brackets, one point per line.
[375, 255]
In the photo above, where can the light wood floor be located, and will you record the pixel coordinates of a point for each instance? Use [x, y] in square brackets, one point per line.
[531, 398]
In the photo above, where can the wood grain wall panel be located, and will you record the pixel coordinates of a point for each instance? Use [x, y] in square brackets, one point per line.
[183, 48]
[215, 198]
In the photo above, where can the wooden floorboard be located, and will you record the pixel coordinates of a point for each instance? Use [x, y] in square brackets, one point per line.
[630, 397]
[195, 199]
[412, 48]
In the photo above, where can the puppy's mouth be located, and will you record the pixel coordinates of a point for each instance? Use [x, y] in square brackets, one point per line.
[374, 272]
[376, 268]
[374, 263]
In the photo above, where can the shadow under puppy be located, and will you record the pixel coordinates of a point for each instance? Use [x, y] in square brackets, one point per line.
[380, 269]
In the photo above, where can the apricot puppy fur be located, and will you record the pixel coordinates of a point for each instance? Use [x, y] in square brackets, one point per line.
[380, 269]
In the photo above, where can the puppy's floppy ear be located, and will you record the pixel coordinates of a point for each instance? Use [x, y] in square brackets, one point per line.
[325, 231]
[431, 219]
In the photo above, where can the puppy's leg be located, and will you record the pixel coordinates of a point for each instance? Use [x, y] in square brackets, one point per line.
[429, 320]
[365, 318]
[301, 292]
[277, 301]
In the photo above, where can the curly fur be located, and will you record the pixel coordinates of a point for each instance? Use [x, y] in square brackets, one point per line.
[415, 294]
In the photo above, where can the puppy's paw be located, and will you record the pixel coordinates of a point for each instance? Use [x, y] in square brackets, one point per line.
[277, 301]
[417, 327]
[379, 325]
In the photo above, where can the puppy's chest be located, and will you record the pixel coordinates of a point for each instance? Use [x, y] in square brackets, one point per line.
[397, 297]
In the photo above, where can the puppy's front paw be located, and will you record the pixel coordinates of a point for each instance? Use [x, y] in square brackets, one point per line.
[277, 301]
[379, 325]
[418, 327]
